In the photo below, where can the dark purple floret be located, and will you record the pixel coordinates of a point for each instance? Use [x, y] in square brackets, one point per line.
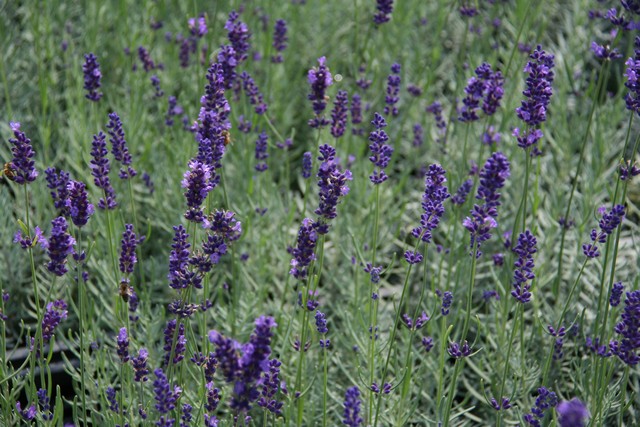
[632, 73]
[224, 224]
[122, 345]
[616, 294]
[145, 58]
[447, 301]
[546, 399]
[609, 222]
[380, 151]
[196, 181]
[252, 91]
[413, 257]
[339, 114]
[100, 167]
[605, 52]
[572, 413]
[198, 26]
[523, 267]
[461, 195]
[226, 353]
[486, 87]
[55, 313]
[319, 79]
[356, 112]
[559, 343]
[59, 247]
[180, 345]
[155, 82]
[384, 8]
[22, 166]
[505, 404]
[626, 348]
[261, 152]
[363, 83]
[467, 11]
[594, 346]
[304, 252]
[538, 90]
[458, 351]
[112, 399]
[435, 193]
[238, 35]
[279, 39]
[332, 184]
[27, 242]
[164, 396]
[414, 90]
[187, 416]
[351, 416]
[140, 365]
[307, 164]
[58, 185]
[77, 203]
[44, 403]
[92, 77]
[492, 178]
[128, 250]
[393, 89]
[228, 64]
[427, 343]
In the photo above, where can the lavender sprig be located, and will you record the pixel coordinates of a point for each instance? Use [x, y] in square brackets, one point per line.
[21, 168]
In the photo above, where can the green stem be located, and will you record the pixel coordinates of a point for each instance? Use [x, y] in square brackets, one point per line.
[505, 371]
[373, 306]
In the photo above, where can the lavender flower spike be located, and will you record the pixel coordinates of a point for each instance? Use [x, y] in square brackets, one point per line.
[384, 8]
[92, 77]
[380, 151]
[80, 210]
[119, 146]
[332, 183]
[352, 404]
[632, 73]
[100, 167]
[320, 79]
[304, 252]
[22, 167]
[572, 413]
[128, 253]
[197, 185]
[55, 313]
[339, 114]
[523, 271]
[393, 89]
[60, 246]
[279, 40]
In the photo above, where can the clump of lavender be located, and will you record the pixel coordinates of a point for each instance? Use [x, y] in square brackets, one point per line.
[119, 146]
[546, 399]
[384, 8]
[486, 87]
[393, 89]
[304, 252]
[261, 152]
[238, 35]
[307, 164]
[279, 40]
[483, 217]
[59, 246]
[332, 184]
[100, 167]
[173, 110]
[533, 109]
[609, 222]
[58, 183]
[55, 313]
[572, 413]
[22, 166]
[339, 114]
[351, 416]
[626, 348]
[320, 79]
[380, 150]
[92, 77]
[197, 184]
[632, 73]
[523, 267]
[252, 91]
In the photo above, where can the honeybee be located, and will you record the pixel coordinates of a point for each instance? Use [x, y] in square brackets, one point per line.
[227, 137]
[8, 171]
[125, 290]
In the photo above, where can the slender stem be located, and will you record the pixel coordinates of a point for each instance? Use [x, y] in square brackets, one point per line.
[472, 280]
[81, 316]
[505, 371]
[373, 306]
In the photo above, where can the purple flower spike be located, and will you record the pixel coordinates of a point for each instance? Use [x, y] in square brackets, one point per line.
[279, 40]
[486, 88]
[384, 8]
[119, 146]
[632, 73]
[252, 91]
[351, 416]
[628, 346]
[92, 77]
[393, 89]
[178, 348]
[435, 193]
[332, 184]
[609, 222]
[319, 79]
[546, 399]
[304, 252]
[380, 151]
[58, 184]
[128, 252]
[21, 169]
[616, 294]
[80, 210]
[165, 397]
[196, 182]
[458, 351]
[307, 164]
[60, 246]
[122, 346]
[100, 167]
[339, 114]
[55, 313]
[261, 152]
[140, 366]
[523, 267]
[238, 35]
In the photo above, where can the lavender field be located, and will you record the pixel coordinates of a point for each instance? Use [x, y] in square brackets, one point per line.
[320, 213]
